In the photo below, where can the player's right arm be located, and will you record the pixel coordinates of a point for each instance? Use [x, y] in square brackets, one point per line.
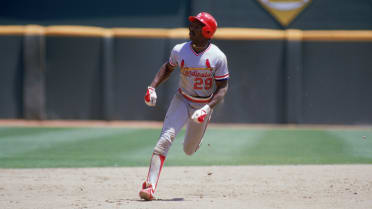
[163, 74]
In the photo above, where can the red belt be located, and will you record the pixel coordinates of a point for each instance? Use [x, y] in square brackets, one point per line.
[195, 99]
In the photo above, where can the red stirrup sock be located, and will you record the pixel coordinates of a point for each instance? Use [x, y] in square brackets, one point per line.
[156, 165]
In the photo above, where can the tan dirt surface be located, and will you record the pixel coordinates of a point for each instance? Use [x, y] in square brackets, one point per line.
[261, 187]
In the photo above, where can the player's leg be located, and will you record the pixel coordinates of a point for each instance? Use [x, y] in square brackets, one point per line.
[175, 119]
[149, 186]
[194, 135]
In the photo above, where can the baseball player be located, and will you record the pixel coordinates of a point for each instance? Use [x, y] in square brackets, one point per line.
[203, 83]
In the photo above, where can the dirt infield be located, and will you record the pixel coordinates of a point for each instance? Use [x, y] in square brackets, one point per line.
[297, 187]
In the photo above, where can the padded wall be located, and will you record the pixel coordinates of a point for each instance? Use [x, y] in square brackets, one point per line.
[11, 76]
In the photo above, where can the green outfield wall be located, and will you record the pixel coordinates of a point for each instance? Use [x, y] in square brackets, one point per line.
[11, 76]
[335, 82]
[277, 76]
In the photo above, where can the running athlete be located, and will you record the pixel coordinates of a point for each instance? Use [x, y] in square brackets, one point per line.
[203, 83]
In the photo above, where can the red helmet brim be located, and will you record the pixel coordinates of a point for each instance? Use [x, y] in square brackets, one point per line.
[193, 19]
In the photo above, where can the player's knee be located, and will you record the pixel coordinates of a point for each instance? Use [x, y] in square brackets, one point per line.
[168, 134]
[162, 147]
[189, 150]
[165, 141]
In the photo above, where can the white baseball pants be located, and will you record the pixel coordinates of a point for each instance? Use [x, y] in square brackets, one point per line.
[179, 113]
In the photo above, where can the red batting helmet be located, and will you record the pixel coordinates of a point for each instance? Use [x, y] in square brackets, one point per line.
[210, 24]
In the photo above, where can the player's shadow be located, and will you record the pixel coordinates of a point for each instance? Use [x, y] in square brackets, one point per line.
[177, 199]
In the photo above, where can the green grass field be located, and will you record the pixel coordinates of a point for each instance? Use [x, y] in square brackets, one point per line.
[43, 147]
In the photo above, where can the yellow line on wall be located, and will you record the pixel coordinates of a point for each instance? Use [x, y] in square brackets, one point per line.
[84, 31]
[249, 34]
[12, 30]
[339, 35]
[182, 33]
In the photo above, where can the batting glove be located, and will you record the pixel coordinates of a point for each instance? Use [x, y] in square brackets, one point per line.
[200, 114]
[150, 97]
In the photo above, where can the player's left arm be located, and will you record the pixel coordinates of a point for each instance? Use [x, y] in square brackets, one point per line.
[219, 94]
[221, 78]
[221, 89]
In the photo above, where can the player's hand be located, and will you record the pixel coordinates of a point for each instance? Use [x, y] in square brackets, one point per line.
[150, 97]
[200, 114]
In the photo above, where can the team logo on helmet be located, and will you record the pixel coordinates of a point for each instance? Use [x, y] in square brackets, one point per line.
[284, 11]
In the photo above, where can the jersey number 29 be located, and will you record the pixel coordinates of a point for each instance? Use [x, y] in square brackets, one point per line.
[199, 83]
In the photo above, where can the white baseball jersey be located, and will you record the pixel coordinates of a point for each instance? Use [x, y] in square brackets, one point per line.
[199, 71]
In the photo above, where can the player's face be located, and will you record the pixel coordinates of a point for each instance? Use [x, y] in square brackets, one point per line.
[195, 29]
